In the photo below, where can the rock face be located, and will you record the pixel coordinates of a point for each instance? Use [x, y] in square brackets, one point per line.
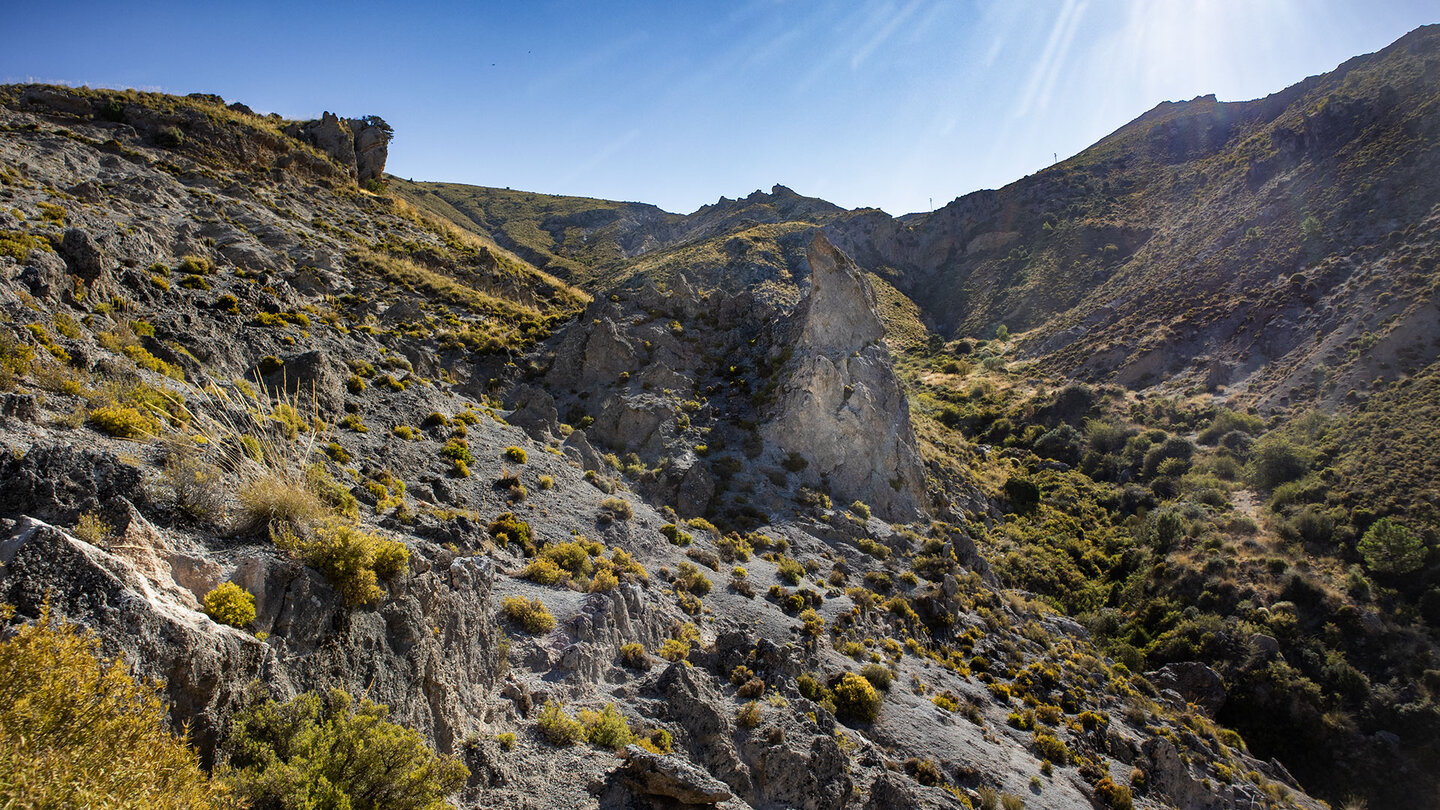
[671, 778]
[359, 144]
[1193, 682]
[841, 406]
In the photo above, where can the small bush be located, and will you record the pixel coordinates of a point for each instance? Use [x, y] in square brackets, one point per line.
[633, 655]
[877, 674]
[92, 529]
[616, 509]
[674, 649]
[352, 560]
[607, 728]
[1051, 748]
[506, 740]
[507, 529]
[789, 570]
[860, 510]
[332, 752]
[748, 715]
[230, 604]
[558, 726]
[1114, 796]
[676, 535]
[855, 698]
[124, 422]
[530, 615]
[689, 578]
[272, 498]
[515, 454]
[658, 741]
[545, 483]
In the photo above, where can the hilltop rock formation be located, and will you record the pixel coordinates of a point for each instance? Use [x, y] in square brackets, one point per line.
[841, 406]
[359, 144]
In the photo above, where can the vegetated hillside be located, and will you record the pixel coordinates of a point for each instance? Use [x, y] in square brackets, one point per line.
[267, 433]
[594, 242]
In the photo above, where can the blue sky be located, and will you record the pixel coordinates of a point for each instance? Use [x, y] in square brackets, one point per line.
[865, 103]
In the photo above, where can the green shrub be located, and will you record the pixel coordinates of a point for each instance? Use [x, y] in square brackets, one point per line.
[315, 752]
[558, 726]
[877, 674]
[93, 529]
[79, 731]
[276, 498]
[789, 570]
[351, 559]
[1274, 460]
[515, 454]
[197, 265]
[855, 698]
[1114, 796]
[676, 535]
[860, 510]
[1050, 748]
[530, 615]
[230, 604]
[1390, 548]
[507, 529]
[607, 728]
[749, 715]
[124, 422]
[689, 578]
[633, 655]
[406, 432]
[457, 450]
[658, 741]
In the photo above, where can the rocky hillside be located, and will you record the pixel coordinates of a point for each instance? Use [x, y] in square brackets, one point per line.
[701, 502]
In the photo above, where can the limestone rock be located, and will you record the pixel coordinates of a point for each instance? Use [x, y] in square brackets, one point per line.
[313, 373]
[670, 777]
[841, 406]
[89, 262]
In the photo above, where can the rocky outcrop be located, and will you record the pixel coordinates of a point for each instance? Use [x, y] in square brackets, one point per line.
[840, 405]
[670, 778]
[1193, 682]
[361, 145]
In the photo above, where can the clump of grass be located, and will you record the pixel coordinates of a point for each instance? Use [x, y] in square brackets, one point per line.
[93, 529]
[515, 454]
[616, 509]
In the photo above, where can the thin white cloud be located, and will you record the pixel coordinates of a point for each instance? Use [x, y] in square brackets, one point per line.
[894, 19]
[1053, 60]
